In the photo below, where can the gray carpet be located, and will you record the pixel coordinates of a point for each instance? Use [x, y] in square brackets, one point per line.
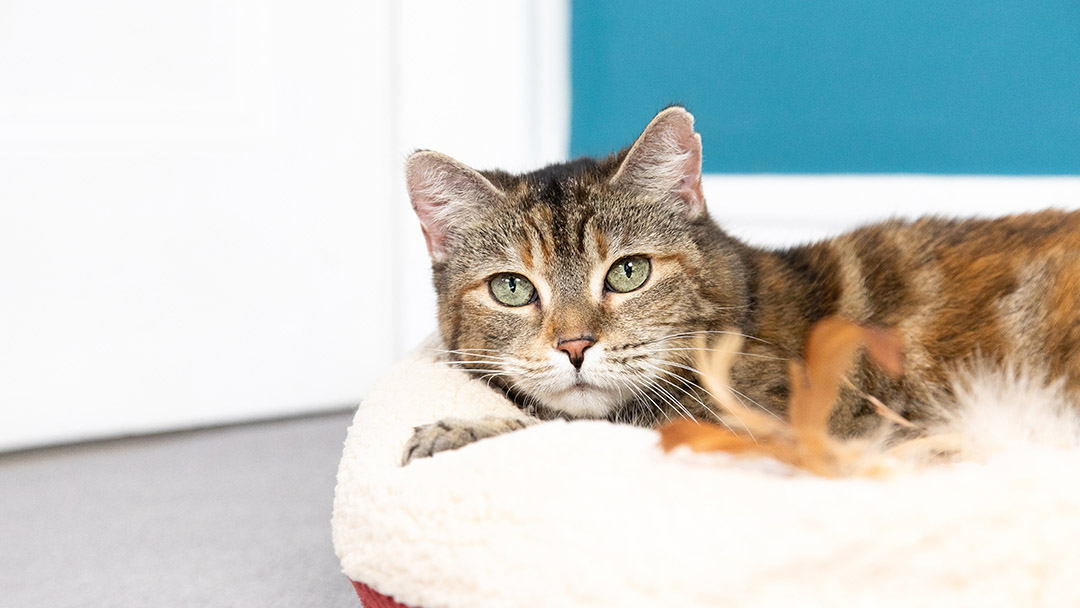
[234, 516]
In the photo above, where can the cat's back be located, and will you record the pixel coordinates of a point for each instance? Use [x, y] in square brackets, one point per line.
[1003, 290]
[1006, 290]
[976, 269]
[886, 272]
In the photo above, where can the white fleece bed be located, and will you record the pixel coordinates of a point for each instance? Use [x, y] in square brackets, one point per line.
[592, 514]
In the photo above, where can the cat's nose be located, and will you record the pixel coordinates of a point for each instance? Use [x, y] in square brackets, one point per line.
[575, 349]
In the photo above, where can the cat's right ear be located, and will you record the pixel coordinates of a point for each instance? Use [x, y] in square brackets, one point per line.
[444, 192]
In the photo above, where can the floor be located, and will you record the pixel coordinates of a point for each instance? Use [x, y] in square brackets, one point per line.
[236, 516]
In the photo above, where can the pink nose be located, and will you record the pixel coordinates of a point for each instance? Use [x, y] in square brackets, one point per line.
[575, 349]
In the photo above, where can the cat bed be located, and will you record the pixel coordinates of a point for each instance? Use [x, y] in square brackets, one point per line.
[588, 513]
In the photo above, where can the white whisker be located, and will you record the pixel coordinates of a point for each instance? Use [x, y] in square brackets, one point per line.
[703, 332]
[690, 383]
[716, 350]
[751, 400]
[730, 388]
[484, 357]
[465, 350]
[666, 396]
[643, 395]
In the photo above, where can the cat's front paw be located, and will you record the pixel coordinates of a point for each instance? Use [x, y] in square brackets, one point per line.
[453, 433]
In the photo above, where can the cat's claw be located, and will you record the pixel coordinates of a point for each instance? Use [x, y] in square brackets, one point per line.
[453, 433]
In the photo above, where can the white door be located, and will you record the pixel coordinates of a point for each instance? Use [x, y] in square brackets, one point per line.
[202, 215]
[194, 212]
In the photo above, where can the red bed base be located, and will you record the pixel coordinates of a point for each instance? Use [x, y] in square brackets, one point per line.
[373, 599]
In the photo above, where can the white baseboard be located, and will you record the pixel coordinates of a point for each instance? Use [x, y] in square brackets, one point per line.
[788, 209]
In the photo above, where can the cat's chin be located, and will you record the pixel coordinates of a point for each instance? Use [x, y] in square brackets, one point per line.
[582, 401]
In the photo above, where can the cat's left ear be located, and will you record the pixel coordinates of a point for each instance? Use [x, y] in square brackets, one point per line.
[666, 159]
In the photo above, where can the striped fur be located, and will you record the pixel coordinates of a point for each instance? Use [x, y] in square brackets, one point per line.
[999, 290]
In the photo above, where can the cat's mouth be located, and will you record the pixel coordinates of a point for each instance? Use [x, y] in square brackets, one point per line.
[582, 399]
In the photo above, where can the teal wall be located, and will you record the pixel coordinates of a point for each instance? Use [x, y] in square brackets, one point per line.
[827, 86]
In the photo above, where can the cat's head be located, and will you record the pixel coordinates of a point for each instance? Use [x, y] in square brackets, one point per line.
[576, 287]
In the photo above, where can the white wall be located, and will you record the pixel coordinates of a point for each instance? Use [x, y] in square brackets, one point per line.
[185, 213]
[779, 210]
[201, 211]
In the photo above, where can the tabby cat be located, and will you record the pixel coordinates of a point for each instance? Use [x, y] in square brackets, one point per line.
[581, 290]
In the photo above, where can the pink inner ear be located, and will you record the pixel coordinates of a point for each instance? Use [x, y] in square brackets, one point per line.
[444, 192]
[433, 183]
[427, 211]
[432, 243]
[667, 157]
[690, 189]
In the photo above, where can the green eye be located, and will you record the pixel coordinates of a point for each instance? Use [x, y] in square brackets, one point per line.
[512, 289]
[628, 273]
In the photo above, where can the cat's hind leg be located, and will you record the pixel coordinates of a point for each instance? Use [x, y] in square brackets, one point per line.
[453, 433]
